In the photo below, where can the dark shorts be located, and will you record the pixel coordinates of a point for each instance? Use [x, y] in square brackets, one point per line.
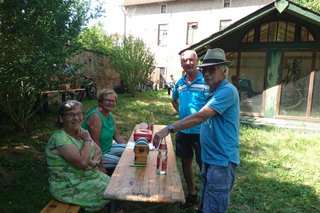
[186, 144]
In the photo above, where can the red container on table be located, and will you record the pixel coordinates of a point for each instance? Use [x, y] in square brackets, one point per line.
[142, 133]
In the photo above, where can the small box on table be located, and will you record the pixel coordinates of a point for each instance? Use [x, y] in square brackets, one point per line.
[142, 133]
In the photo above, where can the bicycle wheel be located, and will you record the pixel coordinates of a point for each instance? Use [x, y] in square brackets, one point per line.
[79, 95]
[292, 100]
[91, 91]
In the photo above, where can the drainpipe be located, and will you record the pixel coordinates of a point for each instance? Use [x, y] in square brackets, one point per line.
[124, 20]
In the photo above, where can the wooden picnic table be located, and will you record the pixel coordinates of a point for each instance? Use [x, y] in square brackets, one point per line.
[62, 91]
[136, 186]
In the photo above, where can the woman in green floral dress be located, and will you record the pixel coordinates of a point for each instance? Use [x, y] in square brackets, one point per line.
[72, 159]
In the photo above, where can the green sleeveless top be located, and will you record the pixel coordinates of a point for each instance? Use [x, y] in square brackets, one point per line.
[107, 130]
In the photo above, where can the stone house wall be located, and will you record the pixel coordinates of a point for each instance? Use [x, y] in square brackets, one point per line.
[97, 66]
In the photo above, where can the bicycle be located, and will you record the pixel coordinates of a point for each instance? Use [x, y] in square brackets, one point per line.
[88, 87]
[292, 87]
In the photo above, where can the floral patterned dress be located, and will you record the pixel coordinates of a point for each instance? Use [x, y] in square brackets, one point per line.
[70, 184]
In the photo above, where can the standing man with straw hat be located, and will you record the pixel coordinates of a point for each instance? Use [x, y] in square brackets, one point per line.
[219, 134]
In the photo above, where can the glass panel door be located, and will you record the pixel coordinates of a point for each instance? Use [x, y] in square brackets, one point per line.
[296, 68]
[251, 81]
[315, 111]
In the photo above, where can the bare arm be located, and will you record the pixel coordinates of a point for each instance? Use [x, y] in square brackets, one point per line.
[78, 158]
[117, 137]
[94, 125]
[175, 104]
[188, 122]
[97, 153]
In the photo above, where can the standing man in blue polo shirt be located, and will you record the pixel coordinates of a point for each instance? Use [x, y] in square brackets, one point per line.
[188, 97]
[219, 135]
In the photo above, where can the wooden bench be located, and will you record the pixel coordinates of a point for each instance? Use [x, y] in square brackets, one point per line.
[55, 206]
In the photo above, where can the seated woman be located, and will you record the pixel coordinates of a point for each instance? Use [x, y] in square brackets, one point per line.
[103, 129]
[72, 159]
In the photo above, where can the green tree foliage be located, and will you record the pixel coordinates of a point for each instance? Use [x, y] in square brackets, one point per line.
[134, 62]
[310, 4]
[35, 39]
[94, 38]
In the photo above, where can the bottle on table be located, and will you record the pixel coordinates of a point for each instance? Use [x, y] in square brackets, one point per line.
[162, 159]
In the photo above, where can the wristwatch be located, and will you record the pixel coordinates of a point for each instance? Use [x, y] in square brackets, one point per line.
[170, 128]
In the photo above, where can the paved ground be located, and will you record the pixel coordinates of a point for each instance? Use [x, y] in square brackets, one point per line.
[301, 126]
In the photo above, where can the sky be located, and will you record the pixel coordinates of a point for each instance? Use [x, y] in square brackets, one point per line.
[113, 18]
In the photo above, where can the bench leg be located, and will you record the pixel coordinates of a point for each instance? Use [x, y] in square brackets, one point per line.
[56, 206]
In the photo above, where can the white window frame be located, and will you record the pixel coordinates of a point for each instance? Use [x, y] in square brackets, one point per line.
[224, 23]
[226, 3]
[162, 34]
[163, 8]
[192, 28]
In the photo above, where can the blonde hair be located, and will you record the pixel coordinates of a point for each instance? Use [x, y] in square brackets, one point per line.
[105, 92]
[192, 52]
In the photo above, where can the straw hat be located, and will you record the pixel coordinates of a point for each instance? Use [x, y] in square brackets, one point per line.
[214, 57]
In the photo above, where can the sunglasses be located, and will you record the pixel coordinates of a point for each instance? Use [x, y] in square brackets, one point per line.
[210, 69]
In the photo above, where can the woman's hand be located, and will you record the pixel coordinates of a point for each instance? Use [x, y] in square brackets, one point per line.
[102, 169]
[92, 164]
[84, 134]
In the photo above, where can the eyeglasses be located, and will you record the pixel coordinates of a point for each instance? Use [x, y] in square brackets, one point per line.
[208, 69]
[73, 115]
[109, 100]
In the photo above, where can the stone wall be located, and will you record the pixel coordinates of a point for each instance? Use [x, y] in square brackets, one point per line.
[97, 66]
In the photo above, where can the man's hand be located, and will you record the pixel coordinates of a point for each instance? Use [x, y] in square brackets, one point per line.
[159, 136]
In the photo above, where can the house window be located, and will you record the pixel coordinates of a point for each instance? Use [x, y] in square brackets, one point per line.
[277, 31]
[226, 3]
[224, 23]
[162, 34]
[306, 35]
[191, 32]
[163, 8]
[248, 37]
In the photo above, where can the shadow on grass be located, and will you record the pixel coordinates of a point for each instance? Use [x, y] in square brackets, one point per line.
[269, 187]
[23, 177]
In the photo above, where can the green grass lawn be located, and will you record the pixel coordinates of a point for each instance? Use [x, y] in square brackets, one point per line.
[279, 169]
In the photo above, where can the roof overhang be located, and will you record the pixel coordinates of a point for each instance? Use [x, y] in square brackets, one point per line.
[279, 6]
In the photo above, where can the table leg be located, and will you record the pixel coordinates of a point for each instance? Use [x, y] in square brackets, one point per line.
[112, 207]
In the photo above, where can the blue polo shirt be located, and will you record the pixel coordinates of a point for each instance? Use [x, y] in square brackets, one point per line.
[192, 97]
[219, 135]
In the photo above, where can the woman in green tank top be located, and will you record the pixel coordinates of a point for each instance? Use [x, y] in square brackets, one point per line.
[103, 129]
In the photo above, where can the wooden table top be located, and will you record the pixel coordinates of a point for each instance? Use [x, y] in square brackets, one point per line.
[142, 184]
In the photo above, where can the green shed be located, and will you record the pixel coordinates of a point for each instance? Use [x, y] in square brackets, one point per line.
[276, 61]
